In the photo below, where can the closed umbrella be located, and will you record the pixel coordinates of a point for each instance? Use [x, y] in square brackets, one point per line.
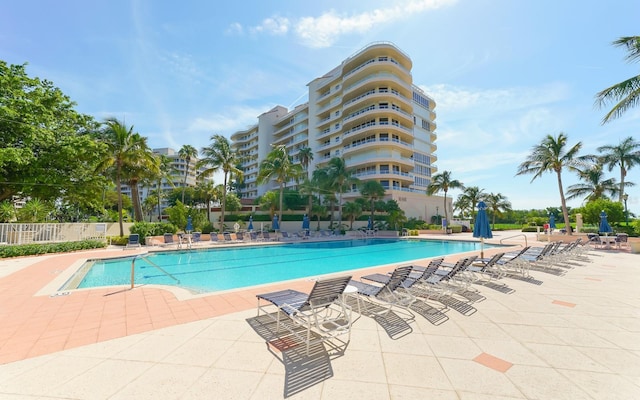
[305, 222]
[189, 227]
[481, 228]
[604, 225]
[370, 224]
[274, 225]
[552, 221]
[250, 227]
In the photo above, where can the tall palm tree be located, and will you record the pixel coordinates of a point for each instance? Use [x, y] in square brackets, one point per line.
[594, 186]
[121, 148]
[372, 191]
[219, 156]
[207, 192]
[551, 155]
[442, 183]
[470, 198]
[626, 155]
[139, 169]
[341, 178]
[278, 166]
[186, 152]
[352, 210]
[165, 172]
[305, 155]
[498, 203]
[625, 94]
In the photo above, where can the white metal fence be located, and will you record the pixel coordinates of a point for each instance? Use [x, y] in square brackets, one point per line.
[15, 233]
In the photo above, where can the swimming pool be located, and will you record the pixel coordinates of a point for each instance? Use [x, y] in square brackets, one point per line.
[216, 269]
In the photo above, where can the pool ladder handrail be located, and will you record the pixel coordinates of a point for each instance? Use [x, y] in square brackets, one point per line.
[142, 256]
[511, 237]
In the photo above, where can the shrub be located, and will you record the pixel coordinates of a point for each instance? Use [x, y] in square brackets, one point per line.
[145, 229]
[32, 249]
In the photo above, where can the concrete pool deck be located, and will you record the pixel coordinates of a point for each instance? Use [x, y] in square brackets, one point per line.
[573, 336]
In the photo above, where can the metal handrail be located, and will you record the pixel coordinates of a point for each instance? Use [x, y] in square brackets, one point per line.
[133, 262]
[511, 237]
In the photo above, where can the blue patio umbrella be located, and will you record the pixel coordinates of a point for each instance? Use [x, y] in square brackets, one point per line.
[305, 222]
[274, 225]
[481, 228]
[552, 221]
[189, 227]
[604, 225]
[370, 224]
[250, 227]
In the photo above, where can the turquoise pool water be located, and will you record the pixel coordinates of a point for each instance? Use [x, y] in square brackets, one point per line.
[215, 269]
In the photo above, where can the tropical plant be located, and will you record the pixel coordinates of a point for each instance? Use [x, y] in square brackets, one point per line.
[372, 191]
[220, 156]
[468, 200]
[7, 211]
[352, 210]
[340, 179]
[164, 173]
[591, 211]
[34, 210]
[625, 94]
[497, 203]
[143, 166]
[186, 152]
[279, 166]
[318, 211]
[207, 192]
[594, 186]
[305, 155]
[123, 148]
[442, 183]
[269, 202]
[626, 155]
[551, 155]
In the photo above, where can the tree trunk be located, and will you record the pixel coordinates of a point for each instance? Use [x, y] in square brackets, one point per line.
[224, 202]
[565, 212]
[119, 190]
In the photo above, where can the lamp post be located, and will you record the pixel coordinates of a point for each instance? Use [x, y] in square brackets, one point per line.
[625, 197]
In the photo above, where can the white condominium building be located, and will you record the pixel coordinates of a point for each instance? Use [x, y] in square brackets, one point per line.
[367, 111]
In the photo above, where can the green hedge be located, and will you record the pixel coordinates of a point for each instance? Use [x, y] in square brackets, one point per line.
[32, 249]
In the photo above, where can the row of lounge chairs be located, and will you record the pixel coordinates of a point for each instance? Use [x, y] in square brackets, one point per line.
[324, 312]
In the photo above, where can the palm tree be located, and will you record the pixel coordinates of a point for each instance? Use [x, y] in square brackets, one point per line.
[372, 191]
[341, 178]
[186, 152]
[626, 155]
[594, 185]
[165, 172]
[352, 210]
[551, 156]
[219, 156]
[278, 166]
[469, 199]
[625, 93]
[142, 167]
[442, 183]
[305, 155]
[498, 203]
[121, 148]
[207, 192]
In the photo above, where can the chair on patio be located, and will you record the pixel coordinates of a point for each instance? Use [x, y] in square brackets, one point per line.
[196, 237]
[487, 270]
[622, 239]
[321, 311]
[392, 293]
[168, 240]
[134, 241]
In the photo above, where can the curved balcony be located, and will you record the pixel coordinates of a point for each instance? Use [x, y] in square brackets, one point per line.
[374, 66]
[377, 49]
[373, 81]
[375, 96]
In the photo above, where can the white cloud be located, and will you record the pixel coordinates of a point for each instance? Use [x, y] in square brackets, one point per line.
[275, 25]
[233, 119]
[324, 30]
[235, 29]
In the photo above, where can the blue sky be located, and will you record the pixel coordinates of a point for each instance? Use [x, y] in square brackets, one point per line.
[504, 73]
